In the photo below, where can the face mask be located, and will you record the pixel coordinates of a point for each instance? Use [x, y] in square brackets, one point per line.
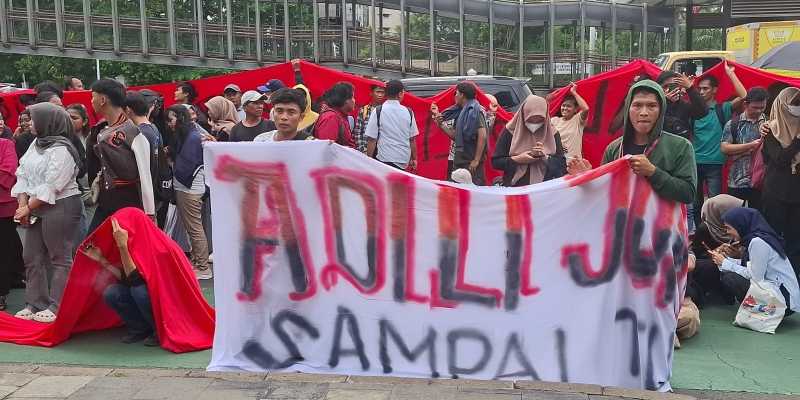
[533, 127]
[794, 110]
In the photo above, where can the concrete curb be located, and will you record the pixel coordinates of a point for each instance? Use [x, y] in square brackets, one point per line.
[27, 373]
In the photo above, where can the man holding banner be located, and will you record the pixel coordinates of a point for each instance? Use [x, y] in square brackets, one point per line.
[665, 159]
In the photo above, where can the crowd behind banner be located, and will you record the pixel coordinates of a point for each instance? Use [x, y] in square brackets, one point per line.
[734, 128]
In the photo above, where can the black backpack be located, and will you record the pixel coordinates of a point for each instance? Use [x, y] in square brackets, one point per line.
[161, 173]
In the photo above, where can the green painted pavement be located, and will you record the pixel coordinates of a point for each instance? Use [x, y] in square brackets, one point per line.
[720, 357]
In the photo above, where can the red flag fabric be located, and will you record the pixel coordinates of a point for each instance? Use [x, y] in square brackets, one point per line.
[184, 320]
[750, 77]
[605, 94]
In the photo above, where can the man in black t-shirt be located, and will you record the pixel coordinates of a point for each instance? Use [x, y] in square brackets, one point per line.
[253, 124]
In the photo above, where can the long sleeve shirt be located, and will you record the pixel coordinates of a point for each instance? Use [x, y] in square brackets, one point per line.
[766, 265]
[47, 176]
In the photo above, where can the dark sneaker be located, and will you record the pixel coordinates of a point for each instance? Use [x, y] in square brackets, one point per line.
[151, 341]
[134, 337]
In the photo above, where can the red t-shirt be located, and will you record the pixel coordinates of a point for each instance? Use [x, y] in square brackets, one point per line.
[332, 125]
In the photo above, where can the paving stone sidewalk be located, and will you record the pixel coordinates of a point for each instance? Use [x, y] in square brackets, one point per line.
[27, 381]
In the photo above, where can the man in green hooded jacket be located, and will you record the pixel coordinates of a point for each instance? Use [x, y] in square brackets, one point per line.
[666, 160]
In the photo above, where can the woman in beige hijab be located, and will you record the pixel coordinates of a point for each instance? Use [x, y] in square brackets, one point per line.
[526, 144]
[781, 191]
[221, 116]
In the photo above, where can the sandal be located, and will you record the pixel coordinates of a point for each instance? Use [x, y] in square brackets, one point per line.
[26, 314]
[45, 316]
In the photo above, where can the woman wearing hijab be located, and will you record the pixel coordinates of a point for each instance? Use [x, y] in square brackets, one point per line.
[50, 207]
[781, 192]
[712, 235]
[221, 116]
[309, 116]
[526, 145]
[764, 261]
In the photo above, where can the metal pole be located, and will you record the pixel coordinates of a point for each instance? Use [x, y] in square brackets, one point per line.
[200, 14]
[315, 14]
[461, 37]
[259, 44]
[87, 25]
[115, 26]
[583, 40]
[491, 38]
[551, 39]
[373, 49]
[287, 41]
[432, 35]
[3, 22]
[344, 32]
[173, 49]
[143, 23]
[643, 42]
[613, 34]
[59, 9]
[229, 28]
[521, 39]
[403, 21]
[676, 37]
[31, 24]
[97, 67]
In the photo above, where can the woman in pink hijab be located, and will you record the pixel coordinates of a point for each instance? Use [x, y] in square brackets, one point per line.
[527, 145]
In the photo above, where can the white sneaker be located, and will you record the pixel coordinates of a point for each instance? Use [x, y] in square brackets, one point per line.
[203, 274]
[45, 316]
[26, 314]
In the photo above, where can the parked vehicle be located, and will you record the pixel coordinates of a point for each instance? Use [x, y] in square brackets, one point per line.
[510, 92]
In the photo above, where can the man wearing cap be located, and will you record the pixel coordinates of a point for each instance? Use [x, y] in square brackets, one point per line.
[233, 93]
[272, 86]
[253, 124]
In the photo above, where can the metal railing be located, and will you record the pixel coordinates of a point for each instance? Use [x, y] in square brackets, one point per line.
[358, 45]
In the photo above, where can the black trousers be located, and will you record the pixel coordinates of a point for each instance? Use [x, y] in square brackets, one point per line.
[12, 267]
[784, 217]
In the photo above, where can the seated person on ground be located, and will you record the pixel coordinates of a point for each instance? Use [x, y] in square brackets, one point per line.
[129, 297]
[765, 260]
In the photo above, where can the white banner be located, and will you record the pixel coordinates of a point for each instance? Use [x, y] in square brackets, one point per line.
[328, 261]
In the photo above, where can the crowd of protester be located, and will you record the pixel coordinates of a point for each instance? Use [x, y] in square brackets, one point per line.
[61, 178]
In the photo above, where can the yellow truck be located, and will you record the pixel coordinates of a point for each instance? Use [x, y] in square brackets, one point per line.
[764, 45]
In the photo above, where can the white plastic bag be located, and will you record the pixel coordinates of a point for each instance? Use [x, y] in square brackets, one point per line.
[763, 308]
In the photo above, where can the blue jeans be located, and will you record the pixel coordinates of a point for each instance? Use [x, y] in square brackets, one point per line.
[132, 304]
[710, 176]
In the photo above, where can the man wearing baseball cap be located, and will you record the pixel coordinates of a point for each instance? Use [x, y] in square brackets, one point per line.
[233, 93]
[271, 86]
[253, 124]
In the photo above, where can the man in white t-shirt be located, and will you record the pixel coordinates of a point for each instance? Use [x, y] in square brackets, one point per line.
[392, 129]
[574, 112]
[288, 108]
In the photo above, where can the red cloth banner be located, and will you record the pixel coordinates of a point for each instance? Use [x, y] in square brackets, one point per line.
[750, 77]
[604, 92]
[184, 320]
